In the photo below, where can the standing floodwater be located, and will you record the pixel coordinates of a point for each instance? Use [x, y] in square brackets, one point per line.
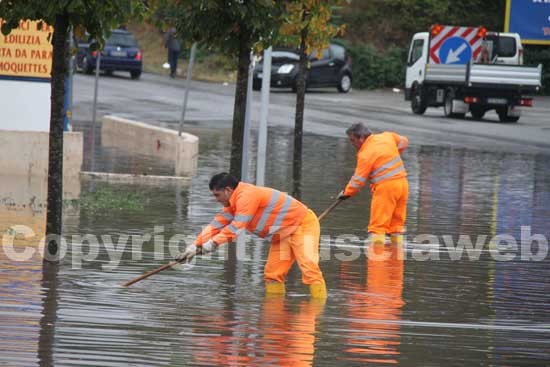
[464, 290]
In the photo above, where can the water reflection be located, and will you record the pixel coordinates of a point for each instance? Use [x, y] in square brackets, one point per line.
[473, 193]
[520, 298]
[284, 334]
[20, 291]
[288, 336]
[521, 188]
[50, 304]
[374, 307]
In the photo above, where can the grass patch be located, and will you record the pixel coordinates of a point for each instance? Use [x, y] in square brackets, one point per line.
[103, 198]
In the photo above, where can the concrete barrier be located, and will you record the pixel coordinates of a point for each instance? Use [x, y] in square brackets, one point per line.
[26, 153]
[140, 138]
[22, 193]
[117, 178]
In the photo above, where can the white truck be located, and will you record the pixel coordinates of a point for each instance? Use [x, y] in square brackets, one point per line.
[467, 69]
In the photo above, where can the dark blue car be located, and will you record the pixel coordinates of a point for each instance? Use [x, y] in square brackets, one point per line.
[121, 53]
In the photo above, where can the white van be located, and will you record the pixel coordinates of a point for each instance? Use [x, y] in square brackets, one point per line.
[503, 48]
[467, 69]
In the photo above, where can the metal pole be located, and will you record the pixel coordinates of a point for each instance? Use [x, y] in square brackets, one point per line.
[94, 108]
[71, 77]
[245, 175]
[187, 85]
[262, 131]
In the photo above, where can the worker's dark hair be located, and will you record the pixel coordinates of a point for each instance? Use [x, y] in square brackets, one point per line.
[223, 180]
[358, 130]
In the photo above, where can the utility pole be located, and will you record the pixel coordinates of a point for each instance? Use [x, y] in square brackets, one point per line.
[264, 109]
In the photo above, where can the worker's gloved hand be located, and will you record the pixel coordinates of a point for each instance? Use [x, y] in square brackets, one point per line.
[187, 255]
[191, 251]
[341, 196]
[207, 247]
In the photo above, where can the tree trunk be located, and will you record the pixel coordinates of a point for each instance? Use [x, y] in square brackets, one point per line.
[55, 163]
[50, 297]
[239, 109]
[299, 117]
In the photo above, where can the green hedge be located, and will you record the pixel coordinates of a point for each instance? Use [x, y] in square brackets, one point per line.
[376, 69]
[534, 55]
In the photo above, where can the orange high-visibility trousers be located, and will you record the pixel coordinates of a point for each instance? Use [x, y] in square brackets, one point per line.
[301, 246]
[389, 207]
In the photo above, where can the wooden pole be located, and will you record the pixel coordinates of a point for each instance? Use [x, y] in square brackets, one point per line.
[329, 209]
[147, 275]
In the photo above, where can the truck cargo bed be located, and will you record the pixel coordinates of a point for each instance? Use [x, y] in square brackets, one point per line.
[524, 78]
[505, 75]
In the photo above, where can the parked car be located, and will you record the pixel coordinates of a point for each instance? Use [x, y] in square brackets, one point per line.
[121, 53]
[333, 69]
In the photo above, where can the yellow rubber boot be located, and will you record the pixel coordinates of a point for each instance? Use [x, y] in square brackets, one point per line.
[274, 288]
[318, 291]
[396, 239]
[377, 239]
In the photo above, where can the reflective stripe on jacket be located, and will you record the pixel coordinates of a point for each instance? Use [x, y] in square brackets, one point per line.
[378, 160]
[261, 210]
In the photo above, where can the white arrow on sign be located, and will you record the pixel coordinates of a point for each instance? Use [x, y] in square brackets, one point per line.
[452, 56]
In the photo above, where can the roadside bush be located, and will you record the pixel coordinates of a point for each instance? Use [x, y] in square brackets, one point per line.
[215, 60]
[376, 69]
[535, 55]
[395, 67]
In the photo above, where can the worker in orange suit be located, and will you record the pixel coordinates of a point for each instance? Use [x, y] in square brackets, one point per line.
[379, 161]
[292, 228]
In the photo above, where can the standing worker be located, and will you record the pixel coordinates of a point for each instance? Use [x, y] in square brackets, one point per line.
[379, 161]
[292, 228]
[173, 45]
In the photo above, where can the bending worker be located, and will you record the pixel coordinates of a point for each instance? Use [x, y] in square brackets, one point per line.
[292, 228]
[379, 161]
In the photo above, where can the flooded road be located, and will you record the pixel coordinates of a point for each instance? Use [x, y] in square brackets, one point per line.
[470, 286]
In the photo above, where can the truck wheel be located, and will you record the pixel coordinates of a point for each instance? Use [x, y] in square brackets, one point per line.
[477, 111]
[418, 102]
[503, 116]
[448, 105]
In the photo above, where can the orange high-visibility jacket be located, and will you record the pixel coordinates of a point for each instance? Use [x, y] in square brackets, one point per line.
[261, 210]
[378, 160]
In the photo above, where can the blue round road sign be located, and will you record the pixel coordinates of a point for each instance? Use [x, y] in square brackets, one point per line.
[455, 50]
